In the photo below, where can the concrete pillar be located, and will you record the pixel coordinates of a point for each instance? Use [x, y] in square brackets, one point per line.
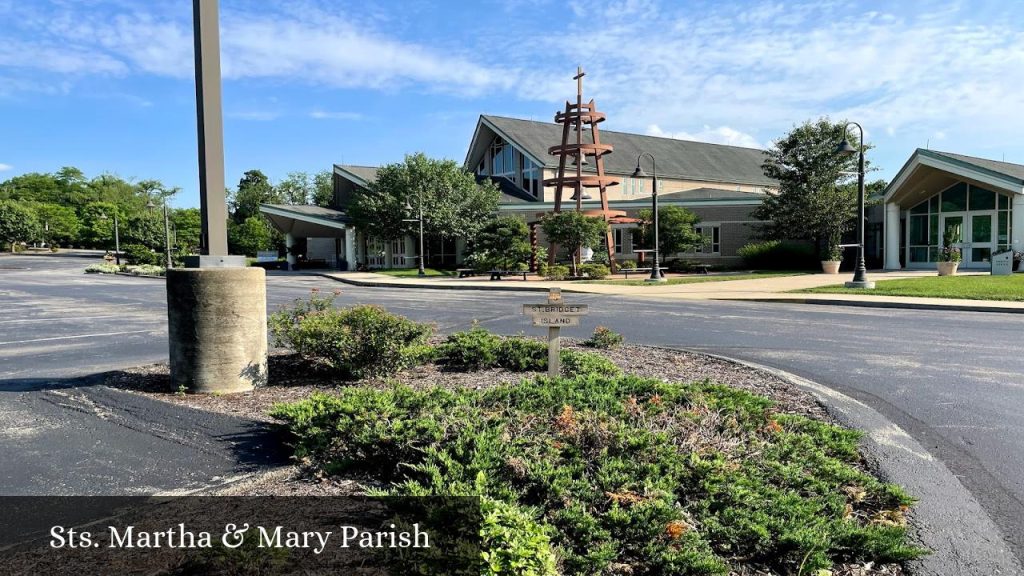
[1017, 221]
[289, 241]
[389, 255]
[350, 247]
[217, 328]
[410, 251]
[892, 236]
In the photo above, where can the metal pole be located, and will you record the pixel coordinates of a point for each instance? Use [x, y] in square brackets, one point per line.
[213, 239]
[860, 275]
[656, 266]
[422, 272]
[117, 241]
[168, 262]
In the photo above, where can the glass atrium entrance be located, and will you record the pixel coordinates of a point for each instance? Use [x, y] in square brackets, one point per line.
[968, 217]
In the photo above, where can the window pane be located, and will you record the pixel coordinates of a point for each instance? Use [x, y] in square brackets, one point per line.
[934, 204]
[980, 254]
[919, 254]
[933, 235]
[955, 199]
[921, 208]
[982, 199]
[1004, 202]
[981, 228]
[1004, 229]
[919, 229]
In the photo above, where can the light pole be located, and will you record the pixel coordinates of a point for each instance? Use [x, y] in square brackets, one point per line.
[168, 262]
[117, 238]
[408, 208]
[860, 275]
[639, 173]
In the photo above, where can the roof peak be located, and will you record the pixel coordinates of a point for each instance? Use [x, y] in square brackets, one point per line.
[958, 155]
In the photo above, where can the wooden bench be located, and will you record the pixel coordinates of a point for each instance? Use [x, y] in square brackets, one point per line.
[497, 274]
[627, 272]
[467, 272]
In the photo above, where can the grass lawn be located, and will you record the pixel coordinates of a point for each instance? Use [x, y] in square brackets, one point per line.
[413, 272]
[1010, 288]
[642, 281]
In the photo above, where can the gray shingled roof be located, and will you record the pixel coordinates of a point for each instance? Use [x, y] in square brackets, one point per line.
[681, 159]
[1015, 171]
[314, 211]
[367, 173]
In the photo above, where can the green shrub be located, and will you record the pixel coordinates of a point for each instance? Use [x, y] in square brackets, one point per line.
[778, 255]
[620, 475]
[357, 342]
[146, 270]
[579, 363]
[595, 271]
[627, 265]
[139, 254]
[102, 269]
[556, 272]
[519, 354]
[604, 338]
[474, 349]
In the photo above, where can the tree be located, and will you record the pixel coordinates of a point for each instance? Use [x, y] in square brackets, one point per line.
[145, 228]
[18, 223]
[251, 236]
[296, 188]
[187, 228]
[323, 189]
[503, 243]
[573, 230]
[60, 223]
[676, 231]
[253, 189]
[815, 201]
[454, 204]
[97, 219]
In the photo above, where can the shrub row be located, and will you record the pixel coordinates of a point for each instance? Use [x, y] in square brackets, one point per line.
[778, 255]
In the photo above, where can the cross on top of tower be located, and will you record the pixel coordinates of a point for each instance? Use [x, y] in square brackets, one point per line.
[579, 80]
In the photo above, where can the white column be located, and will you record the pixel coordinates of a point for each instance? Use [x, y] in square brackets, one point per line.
[892, 236]
[350, 247]
[1017, 222]
[410, 251]
[289, 241]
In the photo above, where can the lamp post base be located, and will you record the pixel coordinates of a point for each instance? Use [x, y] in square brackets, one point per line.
[860, 284]
[658, 279]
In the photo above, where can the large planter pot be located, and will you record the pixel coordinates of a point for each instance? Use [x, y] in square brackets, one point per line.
[830, 266]
[948, 268]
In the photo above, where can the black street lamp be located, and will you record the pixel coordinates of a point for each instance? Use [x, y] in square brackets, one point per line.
[168, 262]
[117, 238]
[408, 208]
[639, 173]
[860, 275]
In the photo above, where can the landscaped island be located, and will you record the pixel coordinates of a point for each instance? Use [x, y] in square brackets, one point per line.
[634, 461]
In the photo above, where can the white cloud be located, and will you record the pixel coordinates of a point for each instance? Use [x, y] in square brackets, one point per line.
[720, 135]
[255, 115]
[5, 167]
[324, 115]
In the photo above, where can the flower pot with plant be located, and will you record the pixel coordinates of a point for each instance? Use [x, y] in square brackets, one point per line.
[949, 258]
[833, 257]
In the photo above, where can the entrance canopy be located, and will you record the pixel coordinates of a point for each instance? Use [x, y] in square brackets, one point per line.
[928, 172]
[307, 221]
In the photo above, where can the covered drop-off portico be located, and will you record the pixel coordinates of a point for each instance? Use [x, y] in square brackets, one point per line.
[974, 203]
[328, 234]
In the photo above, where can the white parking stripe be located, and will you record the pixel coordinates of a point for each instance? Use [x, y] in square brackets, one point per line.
[73, 337]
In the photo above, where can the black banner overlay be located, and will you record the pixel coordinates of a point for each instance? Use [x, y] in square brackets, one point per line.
[239, 535]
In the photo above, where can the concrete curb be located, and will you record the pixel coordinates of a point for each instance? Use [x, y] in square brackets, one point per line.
[947, 519]
[492, 287]
[881, 304]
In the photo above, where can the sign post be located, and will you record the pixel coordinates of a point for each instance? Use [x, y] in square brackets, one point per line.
[555, 314]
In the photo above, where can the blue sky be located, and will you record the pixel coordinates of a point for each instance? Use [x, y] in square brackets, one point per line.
[108, 85]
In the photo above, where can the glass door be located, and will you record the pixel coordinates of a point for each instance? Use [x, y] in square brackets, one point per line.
[953, 233]
[979, 251]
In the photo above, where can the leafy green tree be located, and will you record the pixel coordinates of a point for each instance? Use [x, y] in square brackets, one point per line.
[253, 189]
[251, 236]
[815, 200]
[18, 223]
[573, 230]
[676, 231]
[503, 243]
[145, 228]
[60, 223]
[187, 228]
[97, 220]
[454, 204]
[33, 187]
[323, 189]
[296, 188]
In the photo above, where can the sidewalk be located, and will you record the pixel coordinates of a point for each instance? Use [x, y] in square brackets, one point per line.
[778, 289]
